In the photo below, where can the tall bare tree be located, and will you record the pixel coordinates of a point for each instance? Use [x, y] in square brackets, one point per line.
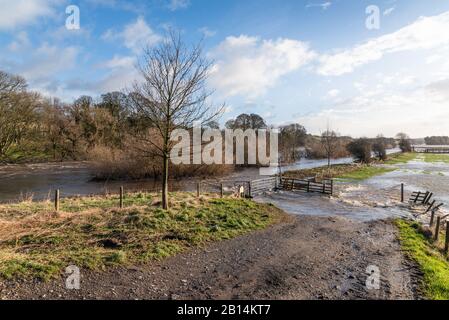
[329, 140]
[172, 95]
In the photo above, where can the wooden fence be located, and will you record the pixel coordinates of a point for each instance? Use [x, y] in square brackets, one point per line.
[293, 184]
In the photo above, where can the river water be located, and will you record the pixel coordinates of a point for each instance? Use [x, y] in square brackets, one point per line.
[375, 198]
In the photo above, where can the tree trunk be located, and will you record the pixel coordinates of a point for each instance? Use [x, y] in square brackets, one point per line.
[165, 183]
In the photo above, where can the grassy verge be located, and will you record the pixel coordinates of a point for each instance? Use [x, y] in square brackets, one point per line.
[93, 233]
[432, 262]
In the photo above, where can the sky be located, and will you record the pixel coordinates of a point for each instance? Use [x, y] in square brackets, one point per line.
[362, 68]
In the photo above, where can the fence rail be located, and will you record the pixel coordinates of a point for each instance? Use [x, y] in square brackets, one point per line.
[325, 187]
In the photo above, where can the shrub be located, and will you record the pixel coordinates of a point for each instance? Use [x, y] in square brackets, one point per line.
[360, 149]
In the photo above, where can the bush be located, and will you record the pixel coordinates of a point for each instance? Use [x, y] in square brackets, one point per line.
[405, 145]
[360, 149]
[380, 150]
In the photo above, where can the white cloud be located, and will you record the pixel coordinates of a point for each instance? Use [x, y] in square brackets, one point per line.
[174, 5]
[21, 41]
[388, 11]
[250, 66]
[207, 33]
[333, 93]
[419, 112]
[425, 33]
[324, 5]
[46, 61]
[18, 13]
[121, 74]
[135, 36]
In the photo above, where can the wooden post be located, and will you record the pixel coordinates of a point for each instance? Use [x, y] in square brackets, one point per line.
[425, 197]
[432, 218]
[446, 241]
[57, 200]
[308, 186]
[198, 189]
[249, 190]
[332, 187]
[121, 197]
[437, 229]
[430, 206]
[417, 196]
[402, 192]
[221, 191]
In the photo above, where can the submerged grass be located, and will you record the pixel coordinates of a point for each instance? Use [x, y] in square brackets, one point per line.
[93, 233]
[435, 158]
[365, 172]
[354, 171]
[433, 263]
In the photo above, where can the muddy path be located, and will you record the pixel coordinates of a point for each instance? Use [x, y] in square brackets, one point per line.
[303, 258]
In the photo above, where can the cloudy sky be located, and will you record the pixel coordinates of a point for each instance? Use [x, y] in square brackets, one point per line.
[312, 62]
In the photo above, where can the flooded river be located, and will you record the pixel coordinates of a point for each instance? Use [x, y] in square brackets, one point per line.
[375, 198]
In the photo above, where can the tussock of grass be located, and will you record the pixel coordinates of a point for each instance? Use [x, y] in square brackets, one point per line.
[433, 264]
[93, 233]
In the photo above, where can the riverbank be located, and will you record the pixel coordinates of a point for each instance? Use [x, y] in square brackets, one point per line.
[93, 233]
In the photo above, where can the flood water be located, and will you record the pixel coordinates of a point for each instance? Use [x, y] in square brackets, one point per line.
[375, 198]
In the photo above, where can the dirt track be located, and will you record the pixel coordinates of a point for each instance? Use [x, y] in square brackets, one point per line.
[306, 258]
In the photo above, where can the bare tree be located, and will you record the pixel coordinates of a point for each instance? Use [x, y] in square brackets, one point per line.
[171, 96]
[329, 140]
[17, 111]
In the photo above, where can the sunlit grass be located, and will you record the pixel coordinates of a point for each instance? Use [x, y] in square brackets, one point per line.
[432, 262]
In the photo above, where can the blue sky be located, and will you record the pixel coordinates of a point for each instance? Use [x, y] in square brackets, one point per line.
[312, 62]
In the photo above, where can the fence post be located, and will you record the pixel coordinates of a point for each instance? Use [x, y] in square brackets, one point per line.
[446, 241]
[432, 218]
[249, 189]
[332, 187]
[437, 229]
[308, 186]
[402, 192]
[221, 190]
[121, 197]
[57, 199]
[198, 189]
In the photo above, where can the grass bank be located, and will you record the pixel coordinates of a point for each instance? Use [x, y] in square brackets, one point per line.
[93, 233]
[432, 262]
[354, 171]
